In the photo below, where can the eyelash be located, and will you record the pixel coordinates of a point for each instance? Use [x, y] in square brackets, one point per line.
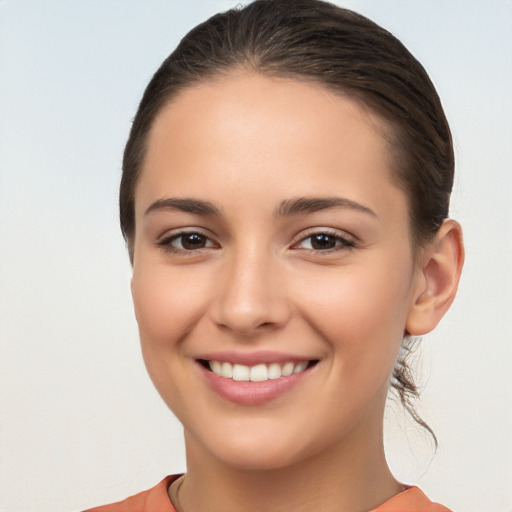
[341, 243]
[166, 243]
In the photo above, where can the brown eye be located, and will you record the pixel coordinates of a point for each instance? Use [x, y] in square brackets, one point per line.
[192, 241]
[186, 242]
[324, 241]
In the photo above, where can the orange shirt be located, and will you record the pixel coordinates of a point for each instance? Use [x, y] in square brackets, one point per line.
[157, 500]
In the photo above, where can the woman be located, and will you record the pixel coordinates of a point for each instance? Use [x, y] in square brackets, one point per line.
[285, 200]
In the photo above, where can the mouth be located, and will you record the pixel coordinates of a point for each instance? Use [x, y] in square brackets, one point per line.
[258, 373]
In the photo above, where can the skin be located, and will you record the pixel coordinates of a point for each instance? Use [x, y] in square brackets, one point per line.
[247, 145]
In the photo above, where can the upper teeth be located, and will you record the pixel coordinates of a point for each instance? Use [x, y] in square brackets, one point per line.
[257, 373]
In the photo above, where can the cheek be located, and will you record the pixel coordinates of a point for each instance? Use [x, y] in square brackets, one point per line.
[167, 306]
[362, 314]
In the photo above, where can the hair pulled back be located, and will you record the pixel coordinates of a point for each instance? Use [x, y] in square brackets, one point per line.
[343, 51]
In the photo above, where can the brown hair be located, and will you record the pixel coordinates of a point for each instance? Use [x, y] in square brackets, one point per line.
[345, 52]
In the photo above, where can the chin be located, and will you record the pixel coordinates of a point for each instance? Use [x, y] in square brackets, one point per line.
[255, 447]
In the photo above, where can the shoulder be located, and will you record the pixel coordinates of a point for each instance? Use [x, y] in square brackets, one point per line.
[153, 499]
[411, 500]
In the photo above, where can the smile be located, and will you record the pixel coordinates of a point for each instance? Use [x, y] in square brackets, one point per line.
[259, 372]
[256, 378]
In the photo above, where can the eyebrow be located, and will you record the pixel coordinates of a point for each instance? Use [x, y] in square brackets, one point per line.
[315, 204]
[287, 208]
[187, 205]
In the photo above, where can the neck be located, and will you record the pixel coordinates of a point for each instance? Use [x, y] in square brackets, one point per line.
[352, 476]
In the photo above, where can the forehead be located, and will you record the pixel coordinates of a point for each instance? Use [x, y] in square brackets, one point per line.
[270, 136]
[264, 102]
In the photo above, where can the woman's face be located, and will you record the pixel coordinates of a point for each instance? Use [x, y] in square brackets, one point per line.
[271, 238]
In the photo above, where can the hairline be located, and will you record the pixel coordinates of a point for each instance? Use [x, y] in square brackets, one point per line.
[387, 127]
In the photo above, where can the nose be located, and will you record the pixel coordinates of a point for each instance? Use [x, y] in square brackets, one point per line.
[250, 296]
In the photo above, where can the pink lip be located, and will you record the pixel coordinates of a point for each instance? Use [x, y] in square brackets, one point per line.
[252, 393]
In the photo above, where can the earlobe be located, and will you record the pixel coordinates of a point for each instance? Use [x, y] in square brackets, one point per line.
[441, 268]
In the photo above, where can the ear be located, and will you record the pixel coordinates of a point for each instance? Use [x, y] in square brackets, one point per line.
[438, 279]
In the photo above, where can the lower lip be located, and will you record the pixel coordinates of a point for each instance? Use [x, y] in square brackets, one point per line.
[252, 393]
